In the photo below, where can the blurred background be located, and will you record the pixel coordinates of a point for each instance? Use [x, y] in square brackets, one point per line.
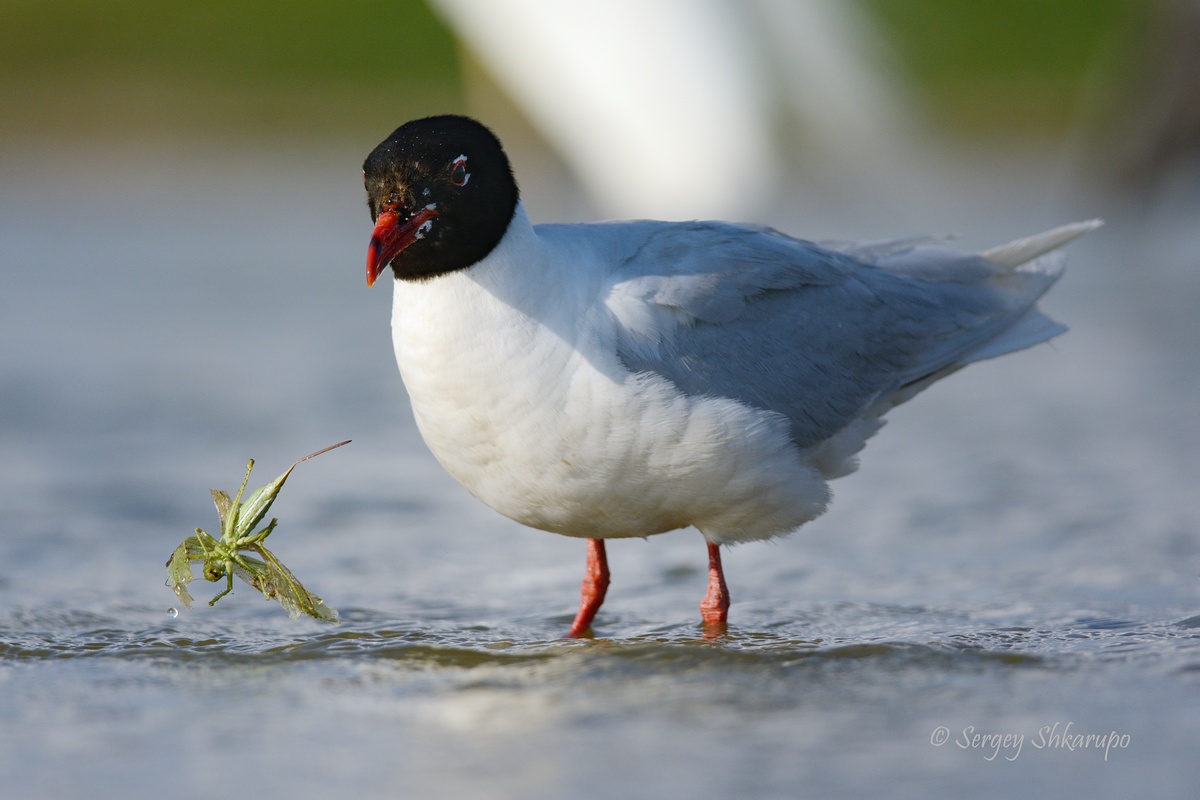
[747, 93]
[182, 239]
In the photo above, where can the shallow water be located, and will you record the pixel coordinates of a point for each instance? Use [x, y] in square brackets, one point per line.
[1017, 556]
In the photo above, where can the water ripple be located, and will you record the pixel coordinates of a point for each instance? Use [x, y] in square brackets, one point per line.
[447, 643]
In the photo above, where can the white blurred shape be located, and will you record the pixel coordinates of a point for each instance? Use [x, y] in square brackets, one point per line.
[669, 108]
[659, 105]
[834, 71]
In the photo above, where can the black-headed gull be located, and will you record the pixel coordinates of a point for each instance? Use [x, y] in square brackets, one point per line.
[624, 379]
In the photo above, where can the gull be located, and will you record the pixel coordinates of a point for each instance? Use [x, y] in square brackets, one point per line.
[625, 379]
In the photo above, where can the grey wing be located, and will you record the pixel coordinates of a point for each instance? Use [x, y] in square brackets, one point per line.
[817, 335]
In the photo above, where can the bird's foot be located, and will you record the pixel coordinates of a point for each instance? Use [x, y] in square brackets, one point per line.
[714, 608]
[595, 585]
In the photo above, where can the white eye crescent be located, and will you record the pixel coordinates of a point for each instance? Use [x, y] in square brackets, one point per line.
[458, 172]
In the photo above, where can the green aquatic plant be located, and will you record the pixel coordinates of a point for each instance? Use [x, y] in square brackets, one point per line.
[225, 557]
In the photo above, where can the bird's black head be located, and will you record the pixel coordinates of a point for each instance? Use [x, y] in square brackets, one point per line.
[441, 194]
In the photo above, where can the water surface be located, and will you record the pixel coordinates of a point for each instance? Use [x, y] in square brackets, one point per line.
[1018, 556]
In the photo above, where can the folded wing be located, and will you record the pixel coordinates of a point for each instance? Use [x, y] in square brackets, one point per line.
[828, 334]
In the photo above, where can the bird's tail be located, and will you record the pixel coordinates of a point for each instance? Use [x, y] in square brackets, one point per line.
[1022, 251]
[1022, 271]
[1033, 259]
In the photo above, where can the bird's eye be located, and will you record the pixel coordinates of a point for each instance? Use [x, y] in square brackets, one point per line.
[458, 172]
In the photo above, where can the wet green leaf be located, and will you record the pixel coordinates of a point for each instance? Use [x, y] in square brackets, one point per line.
[179, 572]
[226, 558]
[223, 504]
[278, 582]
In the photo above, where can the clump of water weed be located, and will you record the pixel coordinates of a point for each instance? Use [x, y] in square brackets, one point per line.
[226, 556]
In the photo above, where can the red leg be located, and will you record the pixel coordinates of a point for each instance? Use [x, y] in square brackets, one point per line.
[595, 584]
[714, 609]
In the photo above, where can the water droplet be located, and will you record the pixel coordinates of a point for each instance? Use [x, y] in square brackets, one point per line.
[174, 612]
